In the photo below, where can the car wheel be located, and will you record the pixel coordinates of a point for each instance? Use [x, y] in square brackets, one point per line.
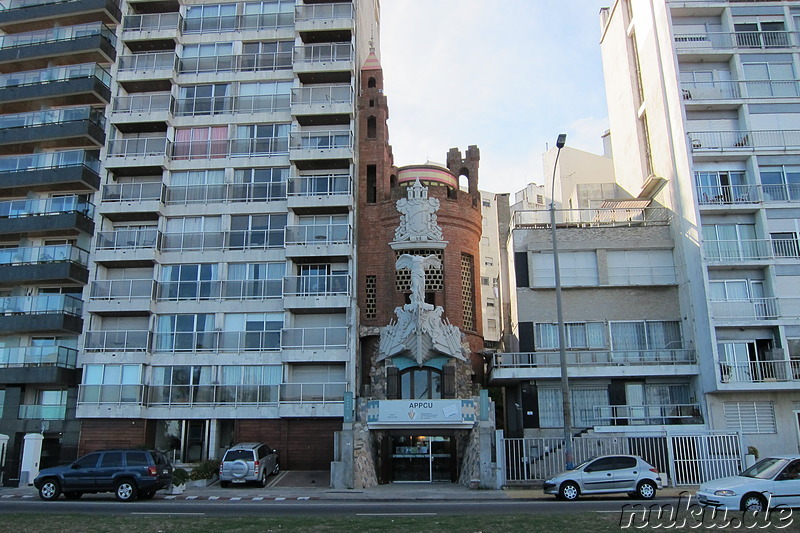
[147, 495]
[224, 484]
[276, 470]
[754, 502]
[50, 490]
[646, 490]
[73, 495]
[569, 491]
[126, 490]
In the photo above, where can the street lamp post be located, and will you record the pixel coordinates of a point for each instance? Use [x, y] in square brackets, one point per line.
[562, 337]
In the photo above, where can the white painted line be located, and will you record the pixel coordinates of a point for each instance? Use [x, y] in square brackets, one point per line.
[27, 496]
[304, 497]
[279, 499]
[171, 514]
[8, 495]
[234, 499]
[191, 497]
[170, 497]
[396, 514]
[258, 499]
[213, 497]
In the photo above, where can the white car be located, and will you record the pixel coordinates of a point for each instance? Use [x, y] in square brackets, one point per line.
[770, 482]
[607, 475]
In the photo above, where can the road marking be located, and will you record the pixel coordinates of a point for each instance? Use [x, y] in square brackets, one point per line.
[235, 499]
[396, 514]
[171, 514]
[258, 498]
[191, 497]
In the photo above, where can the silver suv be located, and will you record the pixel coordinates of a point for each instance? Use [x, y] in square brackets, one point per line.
[248, 462]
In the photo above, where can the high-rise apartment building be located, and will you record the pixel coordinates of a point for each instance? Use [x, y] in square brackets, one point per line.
[704, 108]
[210, 148]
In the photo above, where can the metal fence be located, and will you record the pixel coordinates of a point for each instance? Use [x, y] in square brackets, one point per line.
[686, 459]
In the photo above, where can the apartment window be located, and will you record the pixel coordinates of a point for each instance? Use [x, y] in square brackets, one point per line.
[324, 228]
[372, 190]
[193, 233]
[200, 142]
[255, 280]
[181, 385]
[750, 417]
[488, 261]
[207, 57]
[421, 384]
[576, 268]
[645, 335]
[491, 324]
[263, 96]
[270, 55]
[261, 139]
[260, 184]
[254, 384]
[765, 79]
[780, 183]
[268, 14]
[723, 186]
[579, 336]
[209, 99]
[187, 332]
[371, 286]
[490, 302]
[732, 242]
[486, 203]
[584, 402]
[196, 186]
[253, 331]
[189, 282]
[485, 281]
[210, 18]
[111, 384]
[736, 289]
[257, 231]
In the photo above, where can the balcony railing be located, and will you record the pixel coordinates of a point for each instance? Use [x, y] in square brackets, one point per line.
[117, 341]
[54, 35]
[759, 371]
[748, 194]
[256, 21]
[321, 140]
[43, 412]
[744, 308]
[52, 253]
[46, 206]
[739, 39]
[319, 234]
[324, 94]
[122, 289]
[213, 149]
[640, 216]
[317, 285]
[730, 90]
[19, 4]
[228, 240]
[785, 248]
[213, 341]
[49, 160]
[152, 22]
[22, 356]
[133, 192]
[236, 63]
[223, 105]
[592, 358]
[226, 192]
[128, 239]
[333, 338]
[54, 74]
[148, 61]
[111, 394]
[744, 140]
[663, 414]
[53, 116]
[324, 53]
[190, 290]
[320, 185]
[41, 304]
[740, 250]
[207, 395]
[143, 103]
[247, 289]
[312, 12]
[139, 147]
[312, 392]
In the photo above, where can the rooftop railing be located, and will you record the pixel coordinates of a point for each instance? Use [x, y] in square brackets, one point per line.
[54, 35]
[55, 74]
[41, 304]
[638, 216]
[46, 206]
[49, 160]
[33, 356]
[52, 253]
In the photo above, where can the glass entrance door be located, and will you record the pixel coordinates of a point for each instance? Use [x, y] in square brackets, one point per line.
[422, 459]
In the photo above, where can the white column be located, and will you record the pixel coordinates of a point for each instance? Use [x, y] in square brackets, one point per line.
[31, 455]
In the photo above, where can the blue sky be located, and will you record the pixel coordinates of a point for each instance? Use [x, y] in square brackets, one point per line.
[506, 75]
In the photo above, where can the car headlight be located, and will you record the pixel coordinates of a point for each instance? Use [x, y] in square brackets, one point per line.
[724, 493]
[549, 481]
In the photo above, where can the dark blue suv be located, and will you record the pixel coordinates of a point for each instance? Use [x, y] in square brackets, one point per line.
[127, 473]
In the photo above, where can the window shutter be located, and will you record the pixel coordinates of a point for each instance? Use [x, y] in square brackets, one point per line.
[391, 382]
[449, 378]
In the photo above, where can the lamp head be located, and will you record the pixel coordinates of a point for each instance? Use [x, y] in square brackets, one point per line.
[561, 141]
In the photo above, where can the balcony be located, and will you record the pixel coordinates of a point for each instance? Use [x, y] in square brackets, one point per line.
[217, 341]
[139, 152]
[112, 394]
[248, 22]
[319, 240]
[637, 415]
[739, 251]
[762, 372]
[320, 192]
[60, 263]
[37, 356]
[43, 412]
[121, 296]
[36, 314]
[324, 62]
[210, 395]
[731, 196]
[309, 145]
[225, 193]
[337, 17]
[46, 216]
[132, 201]
[746, 40]
[128, 111]
[512, 367]
[86, 84]
[321, 292]
[309, 102]
[147, 71]
[117, 341]
[744, 141]
[236, 63]
[747, 309]
[231, 105]
[602, 217]
[252, 289]
[86, 43]
[26, 15]
[214, 149]
[122, 248]
[705, 92]
[49, 171]
[305, 345]
[141, 32]
[52, 128]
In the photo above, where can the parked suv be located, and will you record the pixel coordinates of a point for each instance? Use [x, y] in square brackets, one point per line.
[127, 473]
[248, 461]
[605, 475]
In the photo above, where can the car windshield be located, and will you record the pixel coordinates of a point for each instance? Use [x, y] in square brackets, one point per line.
[235, 455]
[765, 468]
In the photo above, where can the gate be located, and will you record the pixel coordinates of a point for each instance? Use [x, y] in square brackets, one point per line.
[686, 459]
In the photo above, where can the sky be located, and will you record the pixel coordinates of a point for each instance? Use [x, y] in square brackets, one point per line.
[505, 75]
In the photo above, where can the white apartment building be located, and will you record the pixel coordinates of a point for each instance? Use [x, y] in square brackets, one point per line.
[221, 295]
[704, 108]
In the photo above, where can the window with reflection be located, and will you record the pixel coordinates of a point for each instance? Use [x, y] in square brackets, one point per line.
[421, 383]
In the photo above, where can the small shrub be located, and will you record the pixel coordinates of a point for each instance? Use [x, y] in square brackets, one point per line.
[205, 470]
[180, 476]
[752, 450]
